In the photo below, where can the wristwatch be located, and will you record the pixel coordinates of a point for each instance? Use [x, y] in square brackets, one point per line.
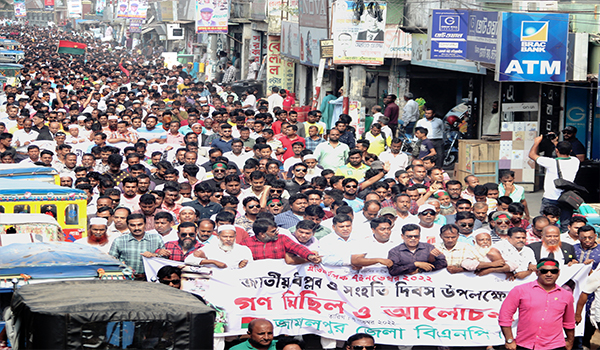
[509, 341]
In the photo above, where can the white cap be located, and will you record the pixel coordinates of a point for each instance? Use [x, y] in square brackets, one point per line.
[226, 228]
[98, 221]
[424, 207]
[73, 126]
[81, 118]
[310, 156]
[481, 230]
[187, 208]
[113, 117]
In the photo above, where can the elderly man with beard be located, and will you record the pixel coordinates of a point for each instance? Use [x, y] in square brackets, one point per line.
[97, 236]
[551, 247]
[500, 224]
[519, 260]
[224, 253]
[186, 244]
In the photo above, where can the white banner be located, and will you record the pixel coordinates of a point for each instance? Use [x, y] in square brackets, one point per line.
[436, 308]
[74, 9]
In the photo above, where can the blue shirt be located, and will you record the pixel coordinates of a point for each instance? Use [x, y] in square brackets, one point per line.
[224, 146]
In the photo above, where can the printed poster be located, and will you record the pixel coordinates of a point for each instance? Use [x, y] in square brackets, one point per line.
[20, 9]
[359, 32]
[74, 9]
[212, 16]
[280, 72]
[132, 9]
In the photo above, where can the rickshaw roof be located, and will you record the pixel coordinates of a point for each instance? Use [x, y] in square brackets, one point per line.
[157, 301]
[20, 219]
[18, 169]
[55, 260]
[11, 65]
[18, 187]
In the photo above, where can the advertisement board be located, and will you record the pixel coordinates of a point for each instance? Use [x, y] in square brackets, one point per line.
[132, 9]
[20, 9]
[313, 13]
[280, 72]
[290, 39]
[74, 8]
[309, 45]
[359, 32]
[448, 34]
[533, 47]
[48, 5]
[212, 16]
[420, 45]
[482, 37]
[398, 44]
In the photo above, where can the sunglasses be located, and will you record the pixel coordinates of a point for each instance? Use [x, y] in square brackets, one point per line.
[544, 271]
[217, 195]
[361, 347]
[503, 222]
[183, 234]
[176, 282]
[276, 191]
[300, 170]
[253, 206]
[275, 205]
[467, 225]
[219, 171]
[351, 186]
[413, 236]
[428, 212]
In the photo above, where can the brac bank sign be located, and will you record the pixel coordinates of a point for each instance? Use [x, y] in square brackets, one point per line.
[533, 47]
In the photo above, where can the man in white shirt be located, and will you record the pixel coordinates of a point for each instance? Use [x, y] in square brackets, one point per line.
[397, 160]
[362, 220]
[163, 225]
[237, 153]
[519, 259]
[275, 100]
[250, 101]
[410, 113]
[336, 246]
[224, 253]
[572, 234]
[568, 167]
[374, 249]
[23, 137]
[435, 133]
[429, 230]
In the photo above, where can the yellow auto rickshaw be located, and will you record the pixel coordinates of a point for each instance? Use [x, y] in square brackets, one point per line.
[67, 205]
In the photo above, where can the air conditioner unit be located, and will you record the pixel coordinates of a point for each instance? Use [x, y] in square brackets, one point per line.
[175, 32]
[535, 6]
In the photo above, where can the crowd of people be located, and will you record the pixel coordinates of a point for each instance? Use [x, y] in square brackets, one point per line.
[190, 171]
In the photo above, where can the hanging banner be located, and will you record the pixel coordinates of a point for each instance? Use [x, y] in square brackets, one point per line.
[290, 40]
[398, 44]
[309, 45]
[20, 9]
[100, 6]
[48, 5]
[448, 34]
[434, 309]
[483, 36]
[255, 46]
[212, 16]
[131, 9]
[123, 9]
[358, 32]
[135, 26]
[533, 47]
[280, 72]
[74, 8]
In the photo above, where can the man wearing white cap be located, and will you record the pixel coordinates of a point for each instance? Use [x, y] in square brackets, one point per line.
[224, 254]
[73, 135]
[97, 236]
[314, 169]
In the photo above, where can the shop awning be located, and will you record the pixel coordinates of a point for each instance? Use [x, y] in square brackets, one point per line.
[160, 29]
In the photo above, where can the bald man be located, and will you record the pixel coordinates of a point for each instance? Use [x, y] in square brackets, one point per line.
[551, 247]
[261, 336]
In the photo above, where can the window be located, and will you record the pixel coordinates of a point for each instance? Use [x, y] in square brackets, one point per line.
[72, 214]
[49, 209]
[128, 335]
[22, 209]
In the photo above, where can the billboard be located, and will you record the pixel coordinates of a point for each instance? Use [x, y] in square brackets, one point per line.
[74, 8]
[420, 45]
[309, 45]
[280, 72]
[448, 34]
[482, 37]
[398, 44]
[313, 13]
[48, 5]
[533, 47]
[212, 16]
[290, 39]
[20, 9]
[358, 32]
[132, 9]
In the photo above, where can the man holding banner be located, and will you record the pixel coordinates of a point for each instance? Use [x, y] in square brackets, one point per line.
[545, 309]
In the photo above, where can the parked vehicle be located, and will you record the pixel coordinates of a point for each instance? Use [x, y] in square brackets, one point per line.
[108, 315]
[29, 228]
[29, 172]
[67, 205]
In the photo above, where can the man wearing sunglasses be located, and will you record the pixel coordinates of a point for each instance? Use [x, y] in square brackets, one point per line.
[545, 310]
[465, 221]
[186, 244]
[170, 276]
[251, 209]
[360, 341]
[414, 256]
[429, 230]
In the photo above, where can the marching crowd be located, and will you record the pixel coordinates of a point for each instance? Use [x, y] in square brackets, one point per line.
[190, 171]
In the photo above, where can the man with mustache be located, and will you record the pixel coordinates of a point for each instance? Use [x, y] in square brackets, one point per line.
[551, 247]
[223, 253]
[500, 224]
[130, 248]
[97, 236]
[185, 245]
[518, 260]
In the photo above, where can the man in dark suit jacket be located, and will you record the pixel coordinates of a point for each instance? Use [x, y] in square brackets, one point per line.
[552, 247]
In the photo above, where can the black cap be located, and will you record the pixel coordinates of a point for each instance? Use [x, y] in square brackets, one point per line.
[569, 130]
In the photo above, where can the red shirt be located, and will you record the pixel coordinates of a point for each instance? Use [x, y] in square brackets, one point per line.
[287, 144]
[276, 127]
[542, 315]
[288, 102]
[177, 253]
[275, 250]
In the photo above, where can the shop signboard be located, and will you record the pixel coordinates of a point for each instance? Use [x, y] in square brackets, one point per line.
[448, 34]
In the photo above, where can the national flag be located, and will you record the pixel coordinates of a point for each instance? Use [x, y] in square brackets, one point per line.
[65, 46]
[246, 321]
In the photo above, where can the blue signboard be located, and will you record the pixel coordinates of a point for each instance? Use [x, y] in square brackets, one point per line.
[448, 34]
[482, 36]
[576, 111]
[533, 47]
